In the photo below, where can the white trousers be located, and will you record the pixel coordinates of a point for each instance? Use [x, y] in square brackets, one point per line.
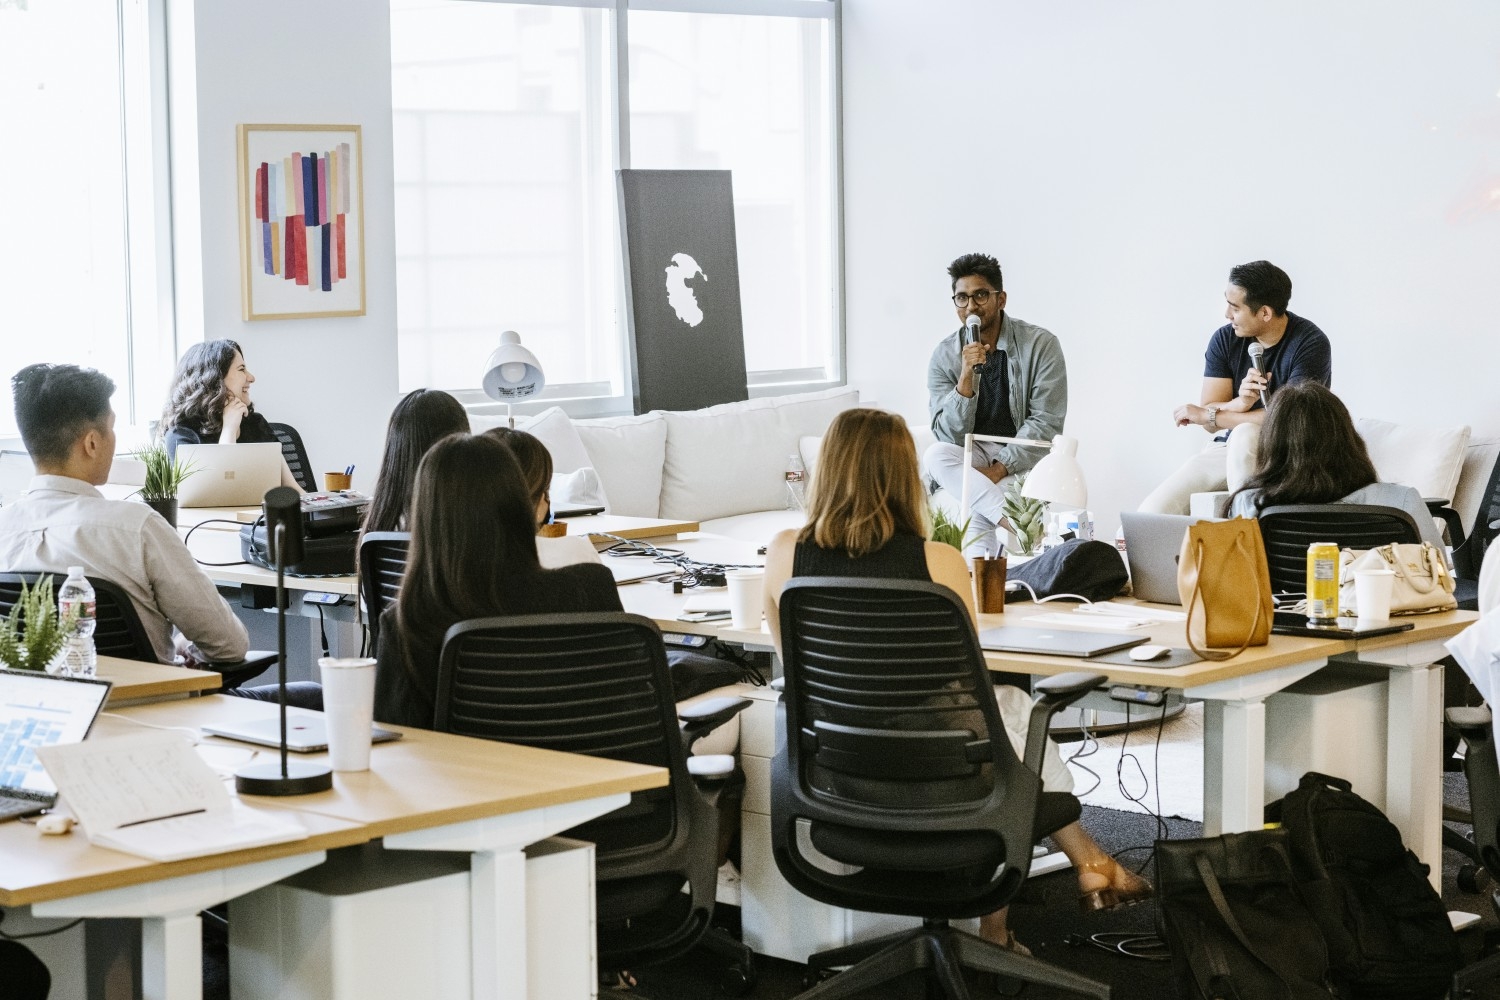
[1015, 713]
[1219, 466]
[944, 463]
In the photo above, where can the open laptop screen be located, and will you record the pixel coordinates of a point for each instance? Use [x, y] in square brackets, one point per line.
[42, 710]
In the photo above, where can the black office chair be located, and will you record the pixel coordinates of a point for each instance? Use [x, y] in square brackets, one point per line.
[296, 456]
[1288, 529]
[382, 563]
[118, 630]
[1468, 552]
[895, 763]
[598, 684]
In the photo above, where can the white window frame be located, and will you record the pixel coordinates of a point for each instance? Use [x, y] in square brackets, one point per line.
[593, 399]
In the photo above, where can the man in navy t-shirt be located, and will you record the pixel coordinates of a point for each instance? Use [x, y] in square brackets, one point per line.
[1235, 390]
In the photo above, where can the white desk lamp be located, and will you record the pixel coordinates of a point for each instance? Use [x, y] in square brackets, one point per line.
[512, 373]
[1056, 479]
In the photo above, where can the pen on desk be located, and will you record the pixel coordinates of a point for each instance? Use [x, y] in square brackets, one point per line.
[153, 819]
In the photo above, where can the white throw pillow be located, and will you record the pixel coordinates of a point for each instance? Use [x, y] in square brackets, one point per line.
[1429, 459]
[579, 488]
[555, 430]
[628, 453]
[732, 458]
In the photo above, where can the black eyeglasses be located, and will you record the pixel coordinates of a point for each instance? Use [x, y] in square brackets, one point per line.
[979, 298]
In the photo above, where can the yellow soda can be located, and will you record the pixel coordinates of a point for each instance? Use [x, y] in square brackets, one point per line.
[1322, 583]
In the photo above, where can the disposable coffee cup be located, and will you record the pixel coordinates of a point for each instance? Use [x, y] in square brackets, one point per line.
[1372, 594]
[348, 710]
[747, 597]
[333, 482]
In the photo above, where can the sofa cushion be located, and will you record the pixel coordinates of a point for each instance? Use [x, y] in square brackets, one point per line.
[628, 453]
[731, 459]
[1428, 459]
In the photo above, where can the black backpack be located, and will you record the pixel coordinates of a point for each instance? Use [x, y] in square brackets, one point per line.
[1387, 932]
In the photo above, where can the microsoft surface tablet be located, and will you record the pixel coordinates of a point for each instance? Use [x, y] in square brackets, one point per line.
[305, 731]
[1054, 641]
[228, 475]
[36, 710]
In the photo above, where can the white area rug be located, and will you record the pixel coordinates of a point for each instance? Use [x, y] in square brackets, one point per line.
[1165, 779]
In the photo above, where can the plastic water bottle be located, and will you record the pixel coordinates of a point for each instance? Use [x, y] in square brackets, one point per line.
[796, 476]
[78, 659]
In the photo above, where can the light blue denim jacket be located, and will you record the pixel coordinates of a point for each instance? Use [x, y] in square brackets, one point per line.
[1038, 390]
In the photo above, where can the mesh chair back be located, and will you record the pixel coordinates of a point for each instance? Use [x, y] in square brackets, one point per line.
[296, 456]
[1288, 529]
[894, 745]
[117, 630]
[382, 564]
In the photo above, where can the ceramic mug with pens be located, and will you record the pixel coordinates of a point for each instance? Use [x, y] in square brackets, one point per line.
[336, 482]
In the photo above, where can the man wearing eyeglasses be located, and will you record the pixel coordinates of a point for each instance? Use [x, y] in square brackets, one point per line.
[1010, 380]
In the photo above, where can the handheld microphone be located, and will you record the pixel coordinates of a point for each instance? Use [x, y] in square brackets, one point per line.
[972, 326]
[1256, 351]
[284, 506]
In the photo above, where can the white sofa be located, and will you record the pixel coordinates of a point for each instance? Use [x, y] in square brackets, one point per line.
[723, 466]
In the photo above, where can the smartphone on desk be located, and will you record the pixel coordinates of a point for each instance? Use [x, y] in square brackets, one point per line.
[703, 616]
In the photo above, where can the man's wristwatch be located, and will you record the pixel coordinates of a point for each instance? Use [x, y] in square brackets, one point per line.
[1213, 418]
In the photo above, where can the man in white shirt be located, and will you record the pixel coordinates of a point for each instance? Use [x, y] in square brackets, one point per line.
[68, 426]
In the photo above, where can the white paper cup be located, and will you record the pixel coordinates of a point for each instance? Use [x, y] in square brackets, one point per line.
[348, 710]
[1372, 594]
[747, 597]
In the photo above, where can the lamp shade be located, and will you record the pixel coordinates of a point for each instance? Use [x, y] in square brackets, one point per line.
[512, 372]
[1058, 478]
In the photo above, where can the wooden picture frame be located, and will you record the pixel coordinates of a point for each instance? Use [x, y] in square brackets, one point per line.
[302, 221]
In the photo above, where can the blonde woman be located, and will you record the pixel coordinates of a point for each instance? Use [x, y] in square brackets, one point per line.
[867, 517]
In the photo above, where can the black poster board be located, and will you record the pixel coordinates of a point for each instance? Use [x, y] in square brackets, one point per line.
[687, 340]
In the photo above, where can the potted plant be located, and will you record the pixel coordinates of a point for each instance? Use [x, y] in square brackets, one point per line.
[32, 635]
[1026, 515]
[164, 476]
[947, 532]
[988, 572]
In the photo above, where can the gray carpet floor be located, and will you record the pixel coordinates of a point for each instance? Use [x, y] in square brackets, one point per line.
[1046, 919]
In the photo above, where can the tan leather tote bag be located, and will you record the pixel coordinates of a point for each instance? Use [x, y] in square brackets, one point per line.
[1225, 585]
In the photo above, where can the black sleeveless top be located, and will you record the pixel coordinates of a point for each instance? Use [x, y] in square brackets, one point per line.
[904, 557]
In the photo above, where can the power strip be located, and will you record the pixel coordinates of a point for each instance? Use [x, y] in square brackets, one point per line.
[1138, 695]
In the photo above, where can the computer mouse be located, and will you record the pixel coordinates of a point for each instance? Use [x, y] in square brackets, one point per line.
[1149, 652]
[53, 825]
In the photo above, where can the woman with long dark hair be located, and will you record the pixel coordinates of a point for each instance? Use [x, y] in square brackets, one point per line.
[867, 516]
[420, 420]
[536, 469]
[1310, 452]
[472, 555]
[209, 403]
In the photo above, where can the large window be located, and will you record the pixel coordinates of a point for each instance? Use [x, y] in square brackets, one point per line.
[78, 264]
[510, 120]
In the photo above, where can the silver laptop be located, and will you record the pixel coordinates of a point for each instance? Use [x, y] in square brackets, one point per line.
[228, 475]
[1152, 544]
[38, 710]
[305, 731]
[1054, 641]
[15, 475]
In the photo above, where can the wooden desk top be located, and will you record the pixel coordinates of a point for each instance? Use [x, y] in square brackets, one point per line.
[628, 527]
[421, 781]
[1281, 651]
[135, 680]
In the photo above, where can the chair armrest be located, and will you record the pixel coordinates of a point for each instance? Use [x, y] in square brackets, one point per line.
[1466, 719]
[1055, 694]
[1443, 509]
[706, 716]
[234, 674]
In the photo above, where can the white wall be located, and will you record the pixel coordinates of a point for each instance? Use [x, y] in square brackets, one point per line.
[1119, 158]
[287, 61]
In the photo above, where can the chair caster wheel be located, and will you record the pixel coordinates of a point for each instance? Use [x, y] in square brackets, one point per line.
[738, 979]
[1471, 878]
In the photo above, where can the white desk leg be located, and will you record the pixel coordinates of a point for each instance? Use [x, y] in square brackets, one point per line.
[172, 957]
[1413, 782]
[497, 915]
[1234, 766]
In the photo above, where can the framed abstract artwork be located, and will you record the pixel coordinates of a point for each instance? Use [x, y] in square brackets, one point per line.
[302, 221]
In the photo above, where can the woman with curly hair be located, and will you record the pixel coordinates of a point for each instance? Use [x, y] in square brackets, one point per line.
[209, 403]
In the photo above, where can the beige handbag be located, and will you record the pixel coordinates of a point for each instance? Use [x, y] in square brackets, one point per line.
[1225, 585]
[1423, 582]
